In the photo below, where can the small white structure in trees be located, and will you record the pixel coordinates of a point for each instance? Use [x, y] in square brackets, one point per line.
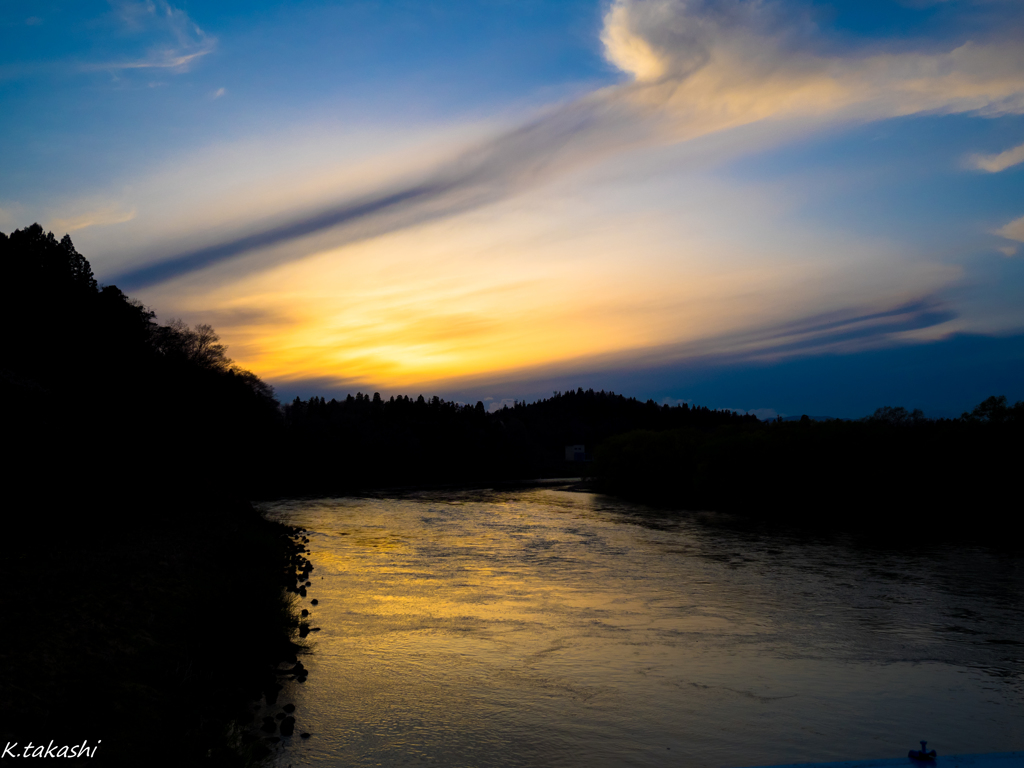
[575, 453]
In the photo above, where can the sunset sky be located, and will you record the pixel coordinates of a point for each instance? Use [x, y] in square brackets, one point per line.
[781, 207]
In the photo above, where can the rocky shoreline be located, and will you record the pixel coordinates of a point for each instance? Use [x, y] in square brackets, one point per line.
[273, 721]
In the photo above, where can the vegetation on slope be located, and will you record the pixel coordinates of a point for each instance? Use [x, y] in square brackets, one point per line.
[142, 600]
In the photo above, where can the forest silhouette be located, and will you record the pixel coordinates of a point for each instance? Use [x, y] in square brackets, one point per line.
[902, 478]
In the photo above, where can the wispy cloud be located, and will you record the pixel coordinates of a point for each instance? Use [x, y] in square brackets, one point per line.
[165, 59]
[998, 162]
[96, 218]
[847, 330]
[218, 93]
[182, 41]
[842, 330]
[695, 68]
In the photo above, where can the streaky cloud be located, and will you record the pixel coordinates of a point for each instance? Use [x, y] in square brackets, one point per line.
[695, 68]
[562, 138]
[182, 264]
[836, 331]
[843, 331]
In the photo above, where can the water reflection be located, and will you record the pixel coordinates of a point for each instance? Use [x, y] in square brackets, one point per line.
[545, 627]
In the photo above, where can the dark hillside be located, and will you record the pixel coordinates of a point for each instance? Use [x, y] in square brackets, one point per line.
[142, 599]
[105, 402]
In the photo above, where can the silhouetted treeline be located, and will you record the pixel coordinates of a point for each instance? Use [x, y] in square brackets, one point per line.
[366, 441]
[102, 400]
[892, 470]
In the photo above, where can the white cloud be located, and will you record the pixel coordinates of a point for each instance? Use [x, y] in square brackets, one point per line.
[1007, 250]
[998, 162]
[218, 93]
[1013, 231]
[708, 66]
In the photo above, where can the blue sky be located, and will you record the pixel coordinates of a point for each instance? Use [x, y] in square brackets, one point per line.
[743, 204]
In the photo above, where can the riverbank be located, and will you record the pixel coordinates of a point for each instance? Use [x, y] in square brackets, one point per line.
[153, 640]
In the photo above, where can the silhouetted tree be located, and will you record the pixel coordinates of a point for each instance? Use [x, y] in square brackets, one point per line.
[198, 345]
[992, 410]
[898, 416]
[32, 258]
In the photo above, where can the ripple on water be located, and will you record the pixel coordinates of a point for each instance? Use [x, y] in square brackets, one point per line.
[544, 627]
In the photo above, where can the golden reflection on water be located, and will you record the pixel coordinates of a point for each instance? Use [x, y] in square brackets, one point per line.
[545, 627]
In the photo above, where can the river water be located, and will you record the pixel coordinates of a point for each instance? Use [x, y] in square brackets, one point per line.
[544, 627]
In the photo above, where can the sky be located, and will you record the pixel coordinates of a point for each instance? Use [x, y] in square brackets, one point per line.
[780, 207]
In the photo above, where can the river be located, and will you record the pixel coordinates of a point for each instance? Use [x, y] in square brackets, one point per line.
[545, 627]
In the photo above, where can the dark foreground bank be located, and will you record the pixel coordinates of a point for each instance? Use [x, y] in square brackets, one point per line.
[142, 606]
[152, 643]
